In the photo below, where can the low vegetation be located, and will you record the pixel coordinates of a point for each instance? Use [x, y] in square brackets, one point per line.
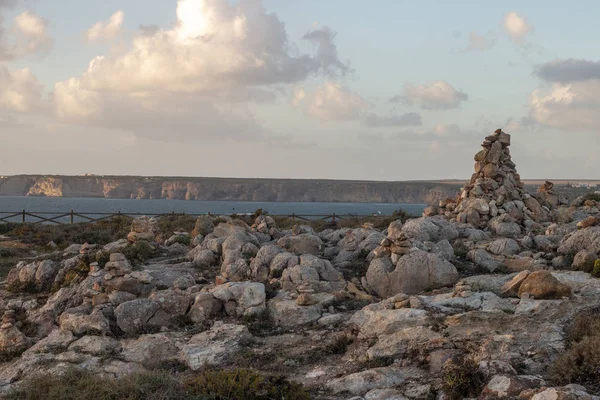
[581, 362]
[462, 379]
[239, 384]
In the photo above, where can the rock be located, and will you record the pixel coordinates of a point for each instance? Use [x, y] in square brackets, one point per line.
[503, 386]
[430, 229]
[543, 285]
[584, 239]
[151, 351]
[215, 346]
[313, 274]
[261, 264]
[485, 260]
[373, 321]
[204, 226]
[377, 378]
[79, 324]
[12, 340]
[174, 302]
[205, 307]
[301, 244]
[140, 315]
[144, 228]
[511, 288]
[288, 314]
[202, 257]
[401, 342]
[56, 342]
[415, 272]
[305, 299]
[96, 346]
[584, 261]
[569, 392]
[504, 247]
[248, 298]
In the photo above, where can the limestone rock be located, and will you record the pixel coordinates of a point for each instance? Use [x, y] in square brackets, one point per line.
[241, 299]
[215, 346]
[301, 244]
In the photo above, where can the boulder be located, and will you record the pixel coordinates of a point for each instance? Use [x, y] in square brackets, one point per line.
[151, 351]
[543, 285]
[80, 323]
[584, 261]
[96, 346]
[214, 347]
[378, 378]
[174, 302]
[430, 229]
[205, 307]
[511, 288]
[305, 243]
[144, 228]
[140, 315]
[414, 273]
[504, 246]
[584, 239]
[241, 299]
[204, 226]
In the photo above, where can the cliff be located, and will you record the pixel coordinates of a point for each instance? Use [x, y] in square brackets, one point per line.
[221, 189]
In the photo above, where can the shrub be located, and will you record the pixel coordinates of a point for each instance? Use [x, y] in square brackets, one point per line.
[596, 270]
[592, 196]
[243, 384]
[581, 362]
[339, 345]
[462, 378]
[139, 252]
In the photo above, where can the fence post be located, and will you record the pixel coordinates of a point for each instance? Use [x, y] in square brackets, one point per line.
[333, 217]
[72, 217]
[293, 216]
[23, 216]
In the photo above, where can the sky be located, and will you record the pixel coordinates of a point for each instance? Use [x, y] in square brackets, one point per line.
[340, 89]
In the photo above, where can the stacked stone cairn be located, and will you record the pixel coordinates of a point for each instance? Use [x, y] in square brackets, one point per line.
[396, 244]
[495, 194]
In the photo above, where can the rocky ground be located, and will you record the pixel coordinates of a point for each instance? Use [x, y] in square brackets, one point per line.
[491, 294]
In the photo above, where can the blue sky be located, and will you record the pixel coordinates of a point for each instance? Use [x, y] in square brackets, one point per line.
[235, 88]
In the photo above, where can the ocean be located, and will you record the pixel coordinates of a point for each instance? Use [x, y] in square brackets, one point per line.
[63, 205]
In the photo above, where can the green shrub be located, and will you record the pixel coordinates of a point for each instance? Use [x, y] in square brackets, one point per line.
[243, 384]
[596, 270]
[339, 345]
[580, 364]
[592, 196]
[184, 240]
[462, 378]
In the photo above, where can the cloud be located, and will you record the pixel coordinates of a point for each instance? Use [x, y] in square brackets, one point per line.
[517, 27]
[570, 70]
[327, 52]
[436, 96]
[106, 29]
[29, 37]
[478, 42]
[573, 107]
[20, 91]
[446, 130]
[408, 119]
[330, 102]
[214, 45]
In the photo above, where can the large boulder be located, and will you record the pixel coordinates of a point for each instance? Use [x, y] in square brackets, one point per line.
[38, 275]
[261, 264]
[584, 239]
[313, 273]
[415, 272]
[150, 350]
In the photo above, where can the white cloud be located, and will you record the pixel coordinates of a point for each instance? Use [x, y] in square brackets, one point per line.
[331, 102]
[29, 36]
[437, 95]
[573, 107]
[106, 29]
[479, 42]
[517, 27]
[20, 91]
[215, 45]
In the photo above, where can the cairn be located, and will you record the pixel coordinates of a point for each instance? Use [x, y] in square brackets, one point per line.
[495, 193]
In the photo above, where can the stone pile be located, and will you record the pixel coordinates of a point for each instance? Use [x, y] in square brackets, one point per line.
[144, 228]
[495, 194]
[396, 244]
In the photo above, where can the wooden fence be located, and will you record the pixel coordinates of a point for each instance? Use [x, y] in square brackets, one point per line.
[72, 217]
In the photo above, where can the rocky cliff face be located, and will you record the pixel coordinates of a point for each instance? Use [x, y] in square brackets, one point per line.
[226, 189]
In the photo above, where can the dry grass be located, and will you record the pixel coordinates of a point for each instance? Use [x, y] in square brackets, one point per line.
[580, 364]
[462, 379]
[240, 384]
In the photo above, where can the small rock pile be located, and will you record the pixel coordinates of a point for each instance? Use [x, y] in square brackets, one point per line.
[396, 244]
[144, 228]
[495, 193]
